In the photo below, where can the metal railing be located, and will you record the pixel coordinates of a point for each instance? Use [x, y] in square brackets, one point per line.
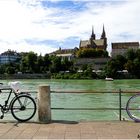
[119, 92]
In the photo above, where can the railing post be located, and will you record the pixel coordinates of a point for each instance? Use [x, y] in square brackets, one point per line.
[44, 104]
[120, 105]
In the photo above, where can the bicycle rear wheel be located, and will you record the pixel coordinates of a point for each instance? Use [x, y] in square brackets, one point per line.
[23, 108]
[133, 107]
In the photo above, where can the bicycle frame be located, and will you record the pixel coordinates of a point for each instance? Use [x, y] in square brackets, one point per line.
[8, 98]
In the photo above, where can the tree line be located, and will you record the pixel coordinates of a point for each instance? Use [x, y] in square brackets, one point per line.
[33, 63]
[130, 61]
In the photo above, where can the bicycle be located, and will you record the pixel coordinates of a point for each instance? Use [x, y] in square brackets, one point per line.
[133, 107]
[22, 106]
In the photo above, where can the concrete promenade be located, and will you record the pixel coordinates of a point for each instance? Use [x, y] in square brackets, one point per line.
[70, 130]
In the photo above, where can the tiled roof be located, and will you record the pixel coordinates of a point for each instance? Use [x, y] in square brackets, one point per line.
[98, 42]
[64, 51]
[84, 43]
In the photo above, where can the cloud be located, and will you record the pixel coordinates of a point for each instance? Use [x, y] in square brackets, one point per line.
[42, 26]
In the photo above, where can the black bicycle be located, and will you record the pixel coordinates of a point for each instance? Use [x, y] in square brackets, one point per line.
[133, 107]
[21, 105]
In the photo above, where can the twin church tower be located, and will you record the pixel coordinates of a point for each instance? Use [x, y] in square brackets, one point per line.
[95, 43]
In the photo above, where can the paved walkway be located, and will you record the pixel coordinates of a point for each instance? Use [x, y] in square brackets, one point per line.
[70, 130]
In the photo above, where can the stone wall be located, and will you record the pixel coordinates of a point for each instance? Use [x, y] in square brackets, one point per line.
[96, 63]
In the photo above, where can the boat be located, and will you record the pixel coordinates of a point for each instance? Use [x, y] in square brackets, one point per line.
[108, 79]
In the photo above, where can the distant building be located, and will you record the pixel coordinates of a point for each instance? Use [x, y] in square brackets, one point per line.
[120, 48]
[9, 56]
[95, 43]
[65, 53]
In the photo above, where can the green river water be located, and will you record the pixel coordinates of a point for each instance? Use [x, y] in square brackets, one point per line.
[84, 100]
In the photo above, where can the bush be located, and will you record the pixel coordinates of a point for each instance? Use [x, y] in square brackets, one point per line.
[91, 53]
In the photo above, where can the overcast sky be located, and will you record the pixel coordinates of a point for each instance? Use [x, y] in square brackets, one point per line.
[43, 26]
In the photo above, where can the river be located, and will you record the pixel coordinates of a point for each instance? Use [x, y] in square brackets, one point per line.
[95, 100]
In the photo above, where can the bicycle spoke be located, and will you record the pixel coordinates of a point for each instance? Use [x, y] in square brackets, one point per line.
[25, 101]
[23, 108]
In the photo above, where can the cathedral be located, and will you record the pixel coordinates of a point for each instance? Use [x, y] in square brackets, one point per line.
[95, 43]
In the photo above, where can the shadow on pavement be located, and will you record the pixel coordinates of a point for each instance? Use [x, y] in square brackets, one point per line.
[64, 122]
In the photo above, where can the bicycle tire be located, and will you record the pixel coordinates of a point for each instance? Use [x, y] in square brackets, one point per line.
[23, 112]
[133, 108]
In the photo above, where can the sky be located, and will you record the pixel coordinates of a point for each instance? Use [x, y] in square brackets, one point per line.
[42, 26]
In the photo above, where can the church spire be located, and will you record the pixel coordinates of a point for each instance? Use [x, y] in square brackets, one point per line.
[103, 36]
[93, 35]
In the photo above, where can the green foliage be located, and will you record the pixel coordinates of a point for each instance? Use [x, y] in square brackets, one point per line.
[32, 63]
[129, 62]
[130, 54]
[10, 70]
[2, 69]
[91, 53]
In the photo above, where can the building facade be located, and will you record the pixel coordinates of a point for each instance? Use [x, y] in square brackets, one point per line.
[65, 53]
[120, 48]
[9, 56]
[95, 43]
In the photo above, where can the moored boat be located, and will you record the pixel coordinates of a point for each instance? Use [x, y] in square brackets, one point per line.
[108, 79]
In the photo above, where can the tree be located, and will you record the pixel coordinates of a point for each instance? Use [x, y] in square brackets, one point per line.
[66, 64]
[138, 54]
[40, 64]
[10, 70]
[130, 62]
[91, 53]
[136, 69]
[130, 54]
[111, 68]
[56, 64]
[2, 69]
[120, 61]
[47, 62]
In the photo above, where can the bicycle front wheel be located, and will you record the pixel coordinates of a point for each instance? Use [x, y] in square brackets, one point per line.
[133, 107]
[23, 108]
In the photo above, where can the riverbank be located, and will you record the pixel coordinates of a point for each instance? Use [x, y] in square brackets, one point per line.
[48, 76]
[24, 76]
[61, 75]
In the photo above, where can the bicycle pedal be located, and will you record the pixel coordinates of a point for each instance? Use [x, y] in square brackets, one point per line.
[2, 116]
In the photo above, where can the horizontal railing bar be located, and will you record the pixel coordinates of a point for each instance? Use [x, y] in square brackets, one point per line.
[5, 88]
[83, 91]
[61, 108]
[29, 91]
[134, 109]
[95, 91]
[4, 91]
[130, 91]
